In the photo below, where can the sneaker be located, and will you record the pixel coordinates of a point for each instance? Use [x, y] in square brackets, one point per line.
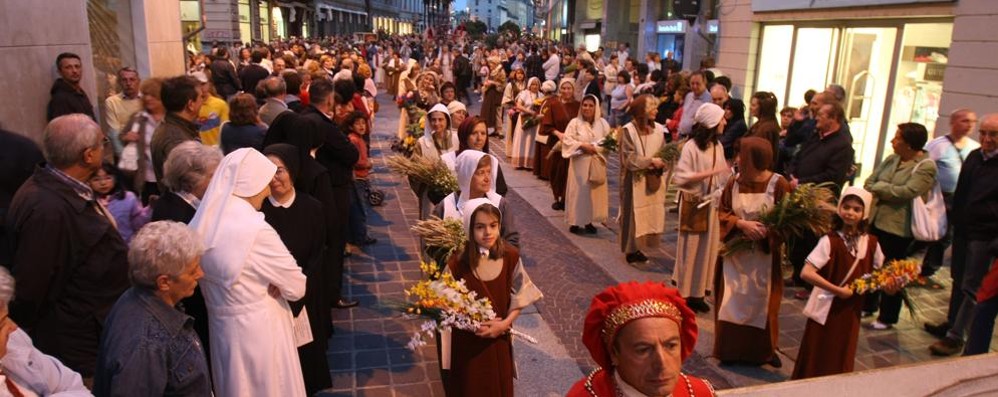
[937, 330]
[946, 347]
[879, 326]
[802, 295]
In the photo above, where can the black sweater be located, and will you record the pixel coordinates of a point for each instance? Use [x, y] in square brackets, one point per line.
[975, 202]
[824, 159]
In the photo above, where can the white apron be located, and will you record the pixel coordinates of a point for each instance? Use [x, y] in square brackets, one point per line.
[747, 274]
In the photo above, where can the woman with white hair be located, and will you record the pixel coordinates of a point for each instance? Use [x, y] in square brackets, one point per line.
[23, 368]
[186, 174]
[249, 277]
[149, 346]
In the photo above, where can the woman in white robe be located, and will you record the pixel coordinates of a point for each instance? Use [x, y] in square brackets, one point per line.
[642, 207]
[522, 148]
[585, 202]
[700, 174]
[437, 140]
[249, 277]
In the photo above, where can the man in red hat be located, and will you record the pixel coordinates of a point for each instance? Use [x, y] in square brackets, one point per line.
[639, 334]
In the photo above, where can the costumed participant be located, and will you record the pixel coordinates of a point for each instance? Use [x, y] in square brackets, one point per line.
[292, 213]
[517, 84]
[840, 257]
[623, 323]
[472, 134]
[435, 142]
[521, 143]
[458, 113]
[553, 122]
[476, 178]
[481, 363]
[406, 85]
[492, 96]
[700, 175]
[642, 180]
[586, 197]
[249, 276]
[750, 287]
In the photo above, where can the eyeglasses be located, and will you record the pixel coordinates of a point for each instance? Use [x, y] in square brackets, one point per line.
[989, 133]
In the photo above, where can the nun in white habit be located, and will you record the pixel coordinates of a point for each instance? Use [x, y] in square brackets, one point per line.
[476, 178]
[249, 277]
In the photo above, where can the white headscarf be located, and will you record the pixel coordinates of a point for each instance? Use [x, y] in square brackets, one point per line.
[863, 195]
[468, 209]
[708, 115]
[454, 106]
[243, 173]
[466, 165]
[427, 131]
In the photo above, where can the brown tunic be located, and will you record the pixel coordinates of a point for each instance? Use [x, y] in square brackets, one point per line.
[744, 343]
[556, 118]
[831, 348]
[483, 367]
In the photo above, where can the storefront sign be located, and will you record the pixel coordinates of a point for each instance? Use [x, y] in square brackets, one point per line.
[788, 5]
[712, 26]
[672, 26]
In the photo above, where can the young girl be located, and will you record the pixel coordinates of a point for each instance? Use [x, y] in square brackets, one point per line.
[356, 123]
[124, 206]
[831, 348]
[481, 363]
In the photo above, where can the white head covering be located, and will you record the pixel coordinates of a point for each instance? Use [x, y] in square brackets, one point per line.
[531, 81]
[549, 87]
[863, 195]
[468, 209]
[454, 106]
[599, 111]
[466, 165]
[243, 173]
[427, 131]
[708, 115]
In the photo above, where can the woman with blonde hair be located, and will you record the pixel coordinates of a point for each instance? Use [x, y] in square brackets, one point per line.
[642, 183]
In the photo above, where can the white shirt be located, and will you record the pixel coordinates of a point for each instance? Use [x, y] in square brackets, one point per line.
[37, 374]
[949, 159]
[551, 67]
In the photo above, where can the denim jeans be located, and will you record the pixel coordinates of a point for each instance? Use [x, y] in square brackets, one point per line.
[982, 328]
[358, 214]
[978, 262]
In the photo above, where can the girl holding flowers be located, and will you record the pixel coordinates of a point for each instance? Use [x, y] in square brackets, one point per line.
[481, 363]
[841, 256]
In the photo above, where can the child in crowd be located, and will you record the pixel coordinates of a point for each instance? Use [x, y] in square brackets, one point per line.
[843, 255]
[126, 208]
[482, 362]
[356, 123]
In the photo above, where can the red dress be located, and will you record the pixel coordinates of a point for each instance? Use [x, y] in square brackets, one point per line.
[600, 383]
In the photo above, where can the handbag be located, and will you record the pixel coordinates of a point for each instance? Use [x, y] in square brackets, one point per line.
[820, 302]
[597, 171]
[129, 160]
[693, 214]
[928, 217]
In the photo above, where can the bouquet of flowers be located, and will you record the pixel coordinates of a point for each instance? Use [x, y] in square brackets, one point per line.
[896, 272]
[808, 208]
[529, 120]
[448, 303]
[434, 174]
[443, 237]
[609, 143]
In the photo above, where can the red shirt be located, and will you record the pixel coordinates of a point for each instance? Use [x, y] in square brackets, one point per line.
[362, 168]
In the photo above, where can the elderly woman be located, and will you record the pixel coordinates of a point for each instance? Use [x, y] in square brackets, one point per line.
[244, 129]
[642, 192]
[700, 174]
[750, 286]
[586, 198]
[149, 346]
[902, 176]
[521, 145]
[186, 174]
[249, 278]
[25, 369]
[290, 212]
[639, 334]
[493, 87]
[555, 115]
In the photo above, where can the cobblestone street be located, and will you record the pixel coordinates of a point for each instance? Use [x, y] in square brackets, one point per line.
[368, 353]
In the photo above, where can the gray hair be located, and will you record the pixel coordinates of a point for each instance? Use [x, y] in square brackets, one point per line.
[6, 286]
[188, 164]
[274, 86]
[162, 248]
[66, 137]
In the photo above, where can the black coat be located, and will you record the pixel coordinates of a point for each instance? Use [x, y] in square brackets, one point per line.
[975, 202]
[170, 207]
[462, 72]
[337, 154]
[824, 160]
[224, 76]
[67, 100]
[70, 264]
[250, 75]
[18, 158]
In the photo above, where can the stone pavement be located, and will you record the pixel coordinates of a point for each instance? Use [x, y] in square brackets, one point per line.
[368, 356]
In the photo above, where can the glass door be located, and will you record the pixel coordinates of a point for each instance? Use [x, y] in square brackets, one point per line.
[864, 69]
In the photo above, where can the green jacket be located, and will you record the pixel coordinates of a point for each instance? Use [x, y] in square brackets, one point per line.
[894, 186]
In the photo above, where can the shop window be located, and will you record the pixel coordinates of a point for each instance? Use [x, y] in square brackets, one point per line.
[813, 55]
[265, 27]
[774, 60]
[918, 84]
[245, 30]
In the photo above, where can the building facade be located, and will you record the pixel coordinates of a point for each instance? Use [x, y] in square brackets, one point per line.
[497, 12]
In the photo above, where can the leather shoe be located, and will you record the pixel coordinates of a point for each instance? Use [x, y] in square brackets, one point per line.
[558, 206]
[636, 257]
[576, 230]
[698, 305]
[345, 304]
[937, 330]
[947, 347]
[590, 229]
[775, 362]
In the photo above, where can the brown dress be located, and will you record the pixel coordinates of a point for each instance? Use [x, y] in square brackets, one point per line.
[483, 367]
[555, 119]
[830, 349]
[770, 131]
[745, 343]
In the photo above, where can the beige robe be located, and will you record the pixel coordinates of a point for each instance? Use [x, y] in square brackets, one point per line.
[584, 203]
[427, 149]
[696, 253]
[642, 214]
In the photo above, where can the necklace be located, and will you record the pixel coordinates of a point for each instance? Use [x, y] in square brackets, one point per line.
[589, 384]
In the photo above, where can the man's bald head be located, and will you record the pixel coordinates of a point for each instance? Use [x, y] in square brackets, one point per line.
[718, 94]
[67, 139]
[962, 123]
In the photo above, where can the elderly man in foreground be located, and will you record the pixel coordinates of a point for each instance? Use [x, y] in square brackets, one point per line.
[639, 334]
[149, 347]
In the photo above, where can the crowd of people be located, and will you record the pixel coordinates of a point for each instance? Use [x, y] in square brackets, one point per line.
[149, 251]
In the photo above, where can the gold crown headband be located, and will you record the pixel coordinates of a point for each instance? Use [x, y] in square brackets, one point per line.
[624, 314]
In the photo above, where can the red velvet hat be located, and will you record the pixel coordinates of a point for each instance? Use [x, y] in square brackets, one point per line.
[618, 305]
